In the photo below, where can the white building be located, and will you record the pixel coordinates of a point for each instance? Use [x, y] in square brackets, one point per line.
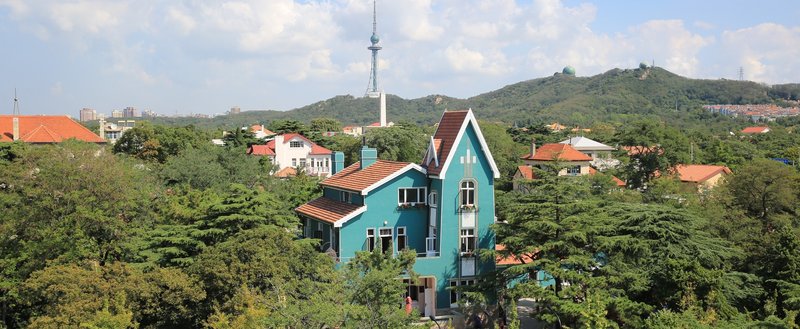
[600, 153]
[292, 152]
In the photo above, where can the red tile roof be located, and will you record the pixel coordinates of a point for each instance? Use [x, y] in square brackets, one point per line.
[446, 132]
[286, 172]
[45, 129]
[618, 181]
[327, 210]
[510, 259]
[261, 150]
[699, 173]
[755, 130]
[557, 152]
[526, 171]
[636, 150]
[353, 179]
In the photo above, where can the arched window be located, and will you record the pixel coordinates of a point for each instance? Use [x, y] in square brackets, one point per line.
[467, 192]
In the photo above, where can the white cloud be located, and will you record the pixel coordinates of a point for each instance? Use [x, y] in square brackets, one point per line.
[767, 52]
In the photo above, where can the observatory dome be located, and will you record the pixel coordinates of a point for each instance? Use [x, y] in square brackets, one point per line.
[374, 39]
[642, 65]
[568, 70]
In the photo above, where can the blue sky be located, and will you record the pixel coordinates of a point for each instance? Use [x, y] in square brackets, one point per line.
[181, 57]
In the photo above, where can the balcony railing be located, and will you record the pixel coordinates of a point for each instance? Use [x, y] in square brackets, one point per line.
[317, 170]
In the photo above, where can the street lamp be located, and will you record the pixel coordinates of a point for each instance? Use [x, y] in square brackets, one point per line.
[433, 318]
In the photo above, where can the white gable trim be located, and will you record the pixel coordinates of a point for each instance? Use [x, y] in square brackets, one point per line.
[393, 176]
[350, 216]
[432, 150]
[470, 118]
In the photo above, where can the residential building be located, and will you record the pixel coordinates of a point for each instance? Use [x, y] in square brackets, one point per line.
[130, 112]
[235, 110]
[112, 131]
[755, 130]
[88, 114]
[701, 177]
[295, 151]
[44, 129]
[117, 114]
[261, 132]
[572, 161]
[600, 153]
[440, 209]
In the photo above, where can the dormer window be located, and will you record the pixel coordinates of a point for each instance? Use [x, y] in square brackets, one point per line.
[345, 196]
[294, 144]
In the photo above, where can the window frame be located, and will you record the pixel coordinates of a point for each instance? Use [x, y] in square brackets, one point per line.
[467, 242]
[370, 239]
[390, 235]
[455, 296]
[421, 196]
[467, 192]
[295, 144]
[404, 241]
[574, 170]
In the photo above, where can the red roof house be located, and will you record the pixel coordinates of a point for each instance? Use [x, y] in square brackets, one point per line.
[755, 130]
[44, 129]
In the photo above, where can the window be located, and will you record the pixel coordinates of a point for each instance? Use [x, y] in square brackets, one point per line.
[456, 295]
[385, 235]
[345, 196]
[467, 193]
[414, 195]
[401, 238]
[574, 170]
[294, 162]
[467, 240]
[370, 239]
[295, 144]
[302, 162]
[318, 232]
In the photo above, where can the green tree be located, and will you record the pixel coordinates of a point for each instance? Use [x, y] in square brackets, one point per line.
[325, 124]
[764, 188]
[654, 148]
[288, 126]
[398, 143]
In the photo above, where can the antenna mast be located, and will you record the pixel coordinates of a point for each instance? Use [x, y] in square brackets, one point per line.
[372, 85]
[741, 73]
[16, 103]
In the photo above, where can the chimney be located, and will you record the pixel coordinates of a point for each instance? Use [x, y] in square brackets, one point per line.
[533, 147]
[368, 156]
[337, 161]
[102, 129]
[15, 128]
[383, 109]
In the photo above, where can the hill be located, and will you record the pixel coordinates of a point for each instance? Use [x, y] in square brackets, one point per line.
[616, 96]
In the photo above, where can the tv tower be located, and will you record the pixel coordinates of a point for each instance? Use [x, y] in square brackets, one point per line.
[372, 86]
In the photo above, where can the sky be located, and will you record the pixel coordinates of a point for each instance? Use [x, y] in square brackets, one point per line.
[197, 56]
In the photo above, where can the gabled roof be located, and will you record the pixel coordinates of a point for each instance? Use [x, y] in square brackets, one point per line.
[365, 180]
[557, 152]
[699, 173]
[526, 172]
[286, 172]
[510, 259]
[450, 130]
[261, 150]
[330, 211]
[586, 144]
[755, 130]
[45, 129]
[315, 149]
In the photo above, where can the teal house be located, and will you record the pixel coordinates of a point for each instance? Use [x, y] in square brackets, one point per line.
[441, 208]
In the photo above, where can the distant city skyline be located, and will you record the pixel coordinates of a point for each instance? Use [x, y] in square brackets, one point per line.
[206, 57]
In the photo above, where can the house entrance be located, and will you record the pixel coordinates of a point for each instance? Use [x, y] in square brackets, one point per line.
[423, 295]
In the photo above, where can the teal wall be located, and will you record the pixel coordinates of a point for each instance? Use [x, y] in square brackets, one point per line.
[382, 207]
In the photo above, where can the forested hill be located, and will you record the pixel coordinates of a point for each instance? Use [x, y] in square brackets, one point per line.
[614, 96]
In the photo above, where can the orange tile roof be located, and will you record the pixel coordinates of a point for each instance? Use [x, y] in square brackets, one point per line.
[755, 130]
[327, 210]
[557, 152]
[526, 171]
[510, 259]
[260, 150]
[45, 129]
[353, 179]
[699, 173]
[286, 172]
[446, 132]
[616, 180]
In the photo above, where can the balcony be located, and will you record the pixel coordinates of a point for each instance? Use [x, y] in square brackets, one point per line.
[317, 171]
